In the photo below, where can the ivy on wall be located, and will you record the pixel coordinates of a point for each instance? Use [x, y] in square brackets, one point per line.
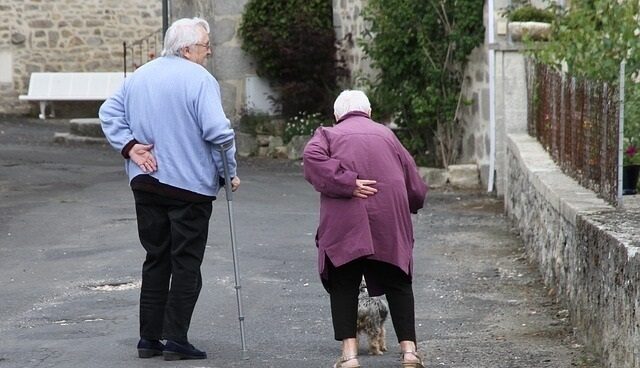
[420, 48]
[293, 43]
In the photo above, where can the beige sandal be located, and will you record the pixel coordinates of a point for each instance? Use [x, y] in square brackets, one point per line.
[344, 359]
[412, 363]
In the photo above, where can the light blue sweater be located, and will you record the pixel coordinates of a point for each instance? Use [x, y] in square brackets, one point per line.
[175, 105]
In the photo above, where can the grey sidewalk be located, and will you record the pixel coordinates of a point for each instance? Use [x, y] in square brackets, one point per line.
[70, 264]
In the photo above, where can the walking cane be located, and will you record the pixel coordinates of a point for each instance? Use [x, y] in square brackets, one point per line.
[223, 148]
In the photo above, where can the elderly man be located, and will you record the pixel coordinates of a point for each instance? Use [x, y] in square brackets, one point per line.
[166, 120]
[369, 185]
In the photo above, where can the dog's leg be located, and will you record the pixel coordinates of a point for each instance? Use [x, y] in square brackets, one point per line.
[383, 339]
[374, 343]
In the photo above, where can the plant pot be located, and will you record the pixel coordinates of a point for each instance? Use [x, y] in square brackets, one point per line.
[630, 175]
[536, 31]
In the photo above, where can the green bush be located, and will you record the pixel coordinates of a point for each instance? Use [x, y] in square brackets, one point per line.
[530, 13]
[420, 48]
[293, 43]
[590, 40]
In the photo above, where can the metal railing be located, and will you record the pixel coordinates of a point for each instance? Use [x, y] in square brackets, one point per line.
[141, 51]
[577, 122]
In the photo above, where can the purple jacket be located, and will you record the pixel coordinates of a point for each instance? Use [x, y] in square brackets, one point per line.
[378, 227]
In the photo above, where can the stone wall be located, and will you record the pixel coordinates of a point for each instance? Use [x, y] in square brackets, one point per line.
[230, 65]
[474, 115]
[586, 250]
[350, 29]
[66, 36]
[510, 98]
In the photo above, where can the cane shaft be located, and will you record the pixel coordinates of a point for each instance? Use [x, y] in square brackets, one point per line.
[236, 266]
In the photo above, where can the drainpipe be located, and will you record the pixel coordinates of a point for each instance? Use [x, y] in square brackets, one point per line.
[492, 98]
[165, 17]
[621, 133]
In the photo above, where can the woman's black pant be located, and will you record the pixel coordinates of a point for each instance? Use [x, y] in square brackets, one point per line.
[344, 286]
[174, 234]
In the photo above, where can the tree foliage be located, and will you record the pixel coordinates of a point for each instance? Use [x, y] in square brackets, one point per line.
[293, 43]
[420, 48]
[590, 39]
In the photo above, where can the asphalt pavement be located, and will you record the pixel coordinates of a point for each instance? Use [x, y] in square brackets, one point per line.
[70, 271]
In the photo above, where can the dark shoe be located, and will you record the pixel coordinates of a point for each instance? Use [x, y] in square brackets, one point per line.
[149, 348]
[177, 351]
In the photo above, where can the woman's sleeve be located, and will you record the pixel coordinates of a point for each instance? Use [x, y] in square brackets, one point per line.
[416, 187]
[326, 174]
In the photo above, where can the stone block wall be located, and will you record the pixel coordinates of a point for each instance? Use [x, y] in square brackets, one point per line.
[229, 64]
[66, 36]
[586, 250]
[474, 115]
[350, 29]
[510, 99]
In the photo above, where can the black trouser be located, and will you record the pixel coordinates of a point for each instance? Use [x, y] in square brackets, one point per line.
[344, 283]
[174, 234]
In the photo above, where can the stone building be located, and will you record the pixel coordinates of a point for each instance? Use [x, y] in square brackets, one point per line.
[88, 35]
[66, 36]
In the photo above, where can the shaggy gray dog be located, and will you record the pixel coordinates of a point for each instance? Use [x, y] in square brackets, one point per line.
[372, 312]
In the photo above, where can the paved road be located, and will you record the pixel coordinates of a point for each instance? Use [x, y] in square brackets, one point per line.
[70, 268]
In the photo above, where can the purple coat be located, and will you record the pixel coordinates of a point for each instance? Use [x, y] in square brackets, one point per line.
[378, 227]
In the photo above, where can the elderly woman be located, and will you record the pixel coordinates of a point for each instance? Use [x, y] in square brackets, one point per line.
[369, 185]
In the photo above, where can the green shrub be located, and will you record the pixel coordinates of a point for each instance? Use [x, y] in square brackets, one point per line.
[590, 40]
[293, 43]
[529, 13]
[420, 48]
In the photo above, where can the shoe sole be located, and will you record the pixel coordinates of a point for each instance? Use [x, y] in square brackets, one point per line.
[148, 353]
[172, 355]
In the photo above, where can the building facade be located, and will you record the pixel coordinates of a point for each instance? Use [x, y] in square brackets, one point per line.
[66, 36]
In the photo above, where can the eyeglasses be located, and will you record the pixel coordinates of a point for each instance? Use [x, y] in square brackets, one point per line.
[205, 45]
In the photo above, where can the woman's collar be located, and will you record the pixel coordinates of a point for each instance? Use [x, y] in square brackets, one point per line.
[351, 114]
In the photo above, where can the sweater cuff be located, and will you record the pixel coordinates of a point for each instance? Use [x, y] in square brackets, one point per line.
[127, 147]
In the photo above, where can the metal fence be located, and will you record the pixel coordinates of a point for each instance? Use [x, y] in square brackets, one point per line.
[137, 53]
[577, 123]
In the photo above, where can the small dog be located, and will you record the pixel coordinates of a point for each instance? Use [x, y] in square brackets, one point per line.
[372, 312]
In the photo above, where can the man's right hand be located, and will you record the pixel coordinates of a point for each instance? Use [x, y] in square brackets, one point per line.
[235, 183]
[141, 155]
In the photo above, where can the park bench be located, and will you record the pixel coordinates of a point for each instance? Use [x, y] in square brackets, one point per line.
[85, 86]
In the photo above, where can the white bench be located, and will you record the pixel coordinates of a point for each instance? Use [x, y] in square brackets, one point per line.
[85, 86]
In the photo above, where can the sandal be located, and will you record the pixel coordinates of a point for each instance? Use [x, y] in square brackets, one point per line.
[411, 363]
[344, 359]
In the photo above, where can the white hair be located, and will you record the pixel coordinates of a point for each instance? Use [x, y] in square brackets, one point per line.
[351, 100]
[182, 33]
